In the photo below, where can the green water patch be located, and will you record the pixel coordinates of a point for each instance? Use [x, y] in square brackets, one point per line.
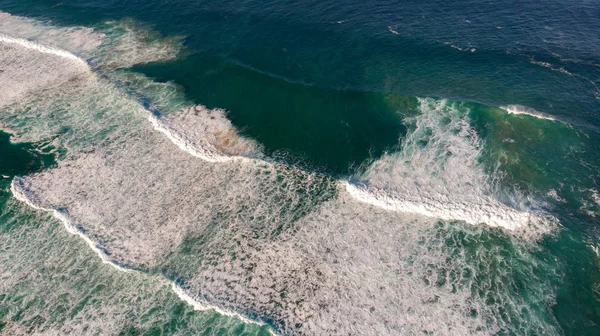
[577, 307]
[557, 165]
[555, 161]
[21, 158]
[329, 128]
[18, 159]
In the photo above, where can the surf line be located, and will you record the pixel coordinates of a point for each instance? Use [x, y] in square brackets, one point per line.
[493, 215]
[18, 191]
[185, 145]
[42, 49]
[524, 110]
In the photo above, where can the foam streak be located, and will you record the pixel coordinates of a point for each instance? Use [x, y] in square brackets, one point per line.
[43, 49]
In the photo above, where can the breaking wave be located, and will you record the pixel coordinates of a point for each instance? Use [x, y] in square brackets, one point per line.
[436, 173]
[206, 134]
[524, 110]
[20, 194]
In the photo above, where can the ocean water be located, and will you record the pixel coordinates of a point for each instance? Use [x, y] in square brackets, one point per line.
[299, 167]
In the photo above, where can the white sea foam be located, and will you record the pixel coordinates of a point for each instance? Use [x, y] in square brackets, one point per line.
[436, 174]
[42, 49]
[205, 133]
[131, 43]
[493, 213]
[203, 307]
[554, 195]
[207, 154]
[42, 263]
[79, 41]
[39, 68]
[115, 44]
[524, 110]
[20, 193]
[595, 196]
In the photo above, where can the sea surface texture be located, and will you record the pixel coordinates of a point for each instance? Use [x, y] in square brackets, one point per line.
[330, 167]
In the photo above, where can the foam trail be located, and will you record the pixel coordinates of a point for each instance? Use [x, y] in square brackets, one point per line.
[43, 49]
[519, 109]
[20, 194]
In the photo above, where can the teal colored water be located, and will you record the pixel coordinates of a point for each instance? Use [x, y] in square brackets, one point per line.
[300, 167]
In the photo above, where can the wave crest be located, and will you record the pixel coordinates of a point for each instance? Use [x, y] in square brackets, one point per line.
[436, 173]
[524, 110]
[206, 134]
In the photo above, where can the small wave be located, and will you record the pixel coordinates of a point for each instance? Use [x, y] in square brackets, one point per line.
[206, 154]
[524, 110]
[467, 48]
[551, 67]
[19, 192]
[190, 135]
[200, 306]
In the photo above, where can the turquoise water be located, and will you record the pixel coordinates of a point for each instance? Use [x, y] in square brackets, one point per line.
[299, 168]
